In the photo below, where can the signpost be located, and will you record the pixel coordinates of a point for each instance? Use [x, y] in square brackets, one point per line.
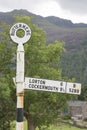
[33, 83]
[20, 68]
[52, 86]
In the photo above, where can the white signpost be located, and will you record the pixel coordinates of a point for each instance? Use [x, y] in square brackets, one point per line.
[33, 83]
[52, 86]
[19, 80]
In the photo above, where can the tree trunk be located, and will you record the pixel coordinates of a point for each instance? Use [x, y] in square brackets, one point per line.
[30, 125]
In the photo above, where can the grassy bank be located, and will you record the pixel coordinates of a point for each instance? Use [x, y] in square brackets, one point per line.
[65, 127]
[60, 126]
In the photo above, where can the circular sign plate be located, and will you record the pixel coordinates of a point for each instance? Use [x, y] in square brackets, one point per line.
[20, 26]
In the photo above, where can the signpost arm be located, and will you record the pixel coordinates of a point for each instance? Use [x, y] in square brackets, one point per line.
[20, 86]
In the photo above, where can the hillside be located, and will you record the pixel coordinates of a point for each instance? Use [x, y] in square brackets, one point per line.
[73, 61]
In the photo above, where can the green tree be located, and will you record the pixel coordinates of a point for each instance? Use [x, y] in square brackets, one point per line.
[5, 50]
[83, 96]
[7, 110]
[6, 62]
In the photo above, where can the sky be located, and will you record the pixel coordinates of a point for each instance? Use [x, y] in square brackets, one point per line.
[74, 10]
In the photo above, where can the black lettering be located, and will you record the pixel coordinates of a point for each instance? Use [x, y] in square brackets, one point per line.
[13, 32]
[29, 85]
[61, 89]
[20, 25]
[73, 90]
[29, 80]
[28, 32]
[70, 90]
[61, 84]
[77, 90]
[16, 26]
[74, 85]
[36, 81]
[57, 89]
[24, 26]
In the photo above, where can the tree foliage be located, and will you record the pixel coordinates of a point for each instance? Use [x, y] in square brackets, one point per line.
[5, 50]
[7, 111]
[6, 70]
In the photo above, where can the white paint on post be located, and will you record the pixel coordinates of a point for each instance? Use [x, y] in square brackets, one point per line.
[20, 126]
[19, 81]
[20, 69]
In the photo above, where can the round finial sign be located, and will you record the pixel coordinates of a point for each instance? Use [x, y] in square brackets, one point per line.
[20, 26]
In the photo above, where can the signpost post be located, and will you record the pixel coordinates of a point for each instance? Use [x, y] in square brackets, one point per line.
[20, 68]
[33, 83]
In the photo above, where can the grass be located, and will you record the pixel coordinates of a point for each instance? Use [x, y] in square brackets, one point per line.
[65, 127]
[14, 125]
[59, 126]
